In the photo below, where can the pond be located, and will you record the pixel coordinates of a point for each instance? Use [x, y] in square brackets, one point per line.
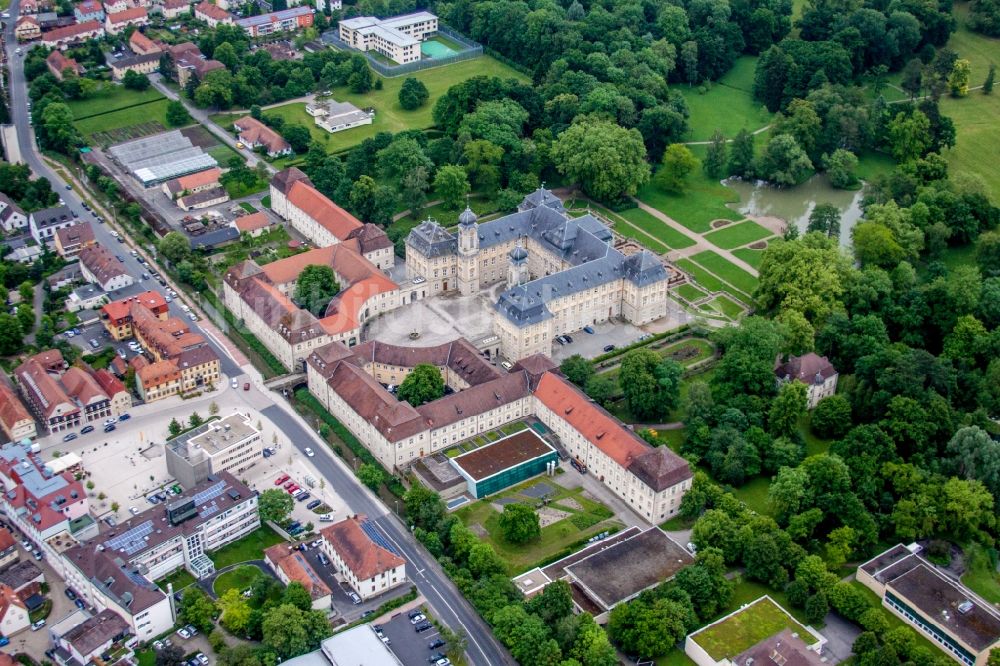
[794, 204]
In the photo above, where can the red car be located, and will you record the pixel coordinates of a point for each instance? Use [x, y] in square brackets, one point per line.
[281, 479]
[293, 489]
[246, 386]
[291, 482]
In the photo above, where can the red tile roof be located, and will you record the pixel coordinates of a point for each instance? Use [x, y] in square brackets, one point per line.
[254, 132]
[195, 180]
[6, 539]
[253, 222]
[142, 44]
[59, 63]
[158, 373]
[12, 410]
[9, 598]
[658, 468]
[297, 569]
[332, 217]
[78, 234]
[130, 14]
[108, 382]
[71, 31]
[212, 11]
[101, 263]
[80, 385]
[360, 554]
[89, 7]
[116, 310]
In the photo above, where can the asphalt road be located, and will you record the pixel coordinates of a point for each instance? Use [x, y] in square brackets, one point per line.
[422, 569]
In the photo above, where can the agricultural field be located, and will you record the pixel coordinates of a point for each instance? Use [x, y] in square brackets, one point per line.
[389, 115]
[111, 98]
[121, 125]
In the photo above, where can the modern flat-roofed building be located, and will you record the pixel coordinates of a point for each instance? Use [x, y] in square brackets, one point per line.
[759, 632]
[230, 444]
[285, 20]
[365, 559]
[397, 38]
[504, 463]
[338, 116]
[962, 624]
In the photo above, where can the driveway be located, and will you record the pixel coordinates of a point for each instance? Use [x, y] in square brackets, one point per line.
[840, 635]
[37, 642]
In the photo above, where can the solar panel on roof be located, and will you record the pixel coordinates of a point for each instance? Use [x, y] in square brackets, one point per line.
[209, 510]
[210, 493]
[133, 540]
[372, 531]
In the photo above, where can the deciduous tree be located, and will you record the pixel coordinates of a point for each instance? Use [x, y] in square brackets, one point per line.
[315, 287]
[422, 385]
[608, 161]
[274, 504]
[519, 523]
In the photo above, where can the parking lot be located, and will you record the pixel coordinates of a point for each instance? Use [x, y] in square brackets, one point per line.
[619, 334]
[409, 646]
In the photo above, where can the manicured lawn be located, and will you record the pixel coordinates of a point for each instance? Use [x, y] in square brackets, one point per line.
[222, 154]
[705, 200]
[153, 111]
[814, 444]
[726, 270]
[735, 235]
[727, 306]
[701, 276]
[980, 573]
[240, 578]
[675, 657]
[555, 538]
[752, 257]
[687, 352]
[250, 547]
[111, 98]
[754, 494]
[179, 579]
[690, 292]
[672, 438]
[975, 115]
[871, 164]
[728, 106]
[672, 238]
[237, 189]
[739, 632]
[389, 115]
[146, 657]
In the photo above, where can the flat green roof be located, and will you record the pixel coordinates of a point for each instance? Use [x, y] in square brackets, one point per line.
[746, 627]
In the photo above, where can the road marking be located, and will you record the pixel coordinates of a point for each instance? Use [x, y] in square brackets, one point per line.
[225, 350]
[468, 634]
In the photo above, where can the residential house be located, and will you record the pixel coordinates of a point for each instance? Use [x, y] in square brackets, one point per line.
[58, 64]
[189, 61]
[212, 14]
[87, 641]
[25, 578]
[101, 267]
[290, 565]
[140, 64]
[27, 28]
[256, 134]
[173, 8]
[143, 45]
[60, 38]
[338, 116]
[117, 315]
[88, 10]
[119, 397]
[44, 223]
[8, 549]
[12, 217]
[368, 567]
[61, 397]
[816, 372]
[87, 297]
[15, 419]
[13, 612]
[286, 20]
[254, 224]
[117, 22]
[71, 240]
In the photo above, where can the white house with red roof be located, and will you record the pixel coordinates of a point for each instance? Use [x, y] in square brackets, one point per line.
[813, 370]
[13, 612]
[117, 22]
[370, 568]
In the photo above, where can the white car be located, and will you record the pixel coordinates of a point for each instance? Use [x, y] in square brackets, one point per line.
[111, 421]
[192, 316]
[234, 383]
[134, 511]
[309, 452]
[202, 658]
[418, 618]
[185, 307]
[183, 633]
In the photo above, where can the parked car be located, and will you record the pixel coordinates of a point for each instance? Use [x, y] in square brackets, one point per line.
[69, 437]
[124, 417]
[422, 627]
[4, 641]
[86, 429]
[110, 428]
[367, 613]
[413, 613]
[312, 505]
[435, 657]
[233, 383]
[588, 329]
[326, 518]
[183, 632]
[110, 421]
[302, 496]
[79, 604]
[355, 598]
[323, 559]
[292, 489]
[134, 511]
[38, 554]
[38, 625]
[289, 484]
[418, 618]
[94, 343]
[157, 645]
[506, 365]
[435, 644]
[246, 386]
[71, 594]
[202, 658]
[609, 348]
[281, 479]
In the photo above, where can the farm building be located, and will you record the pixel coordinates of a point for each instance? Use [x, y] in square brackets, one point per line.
[155, 159]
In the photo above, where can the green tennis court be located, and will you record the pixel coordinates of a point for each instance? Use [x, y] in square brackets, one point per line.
[434, 48]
